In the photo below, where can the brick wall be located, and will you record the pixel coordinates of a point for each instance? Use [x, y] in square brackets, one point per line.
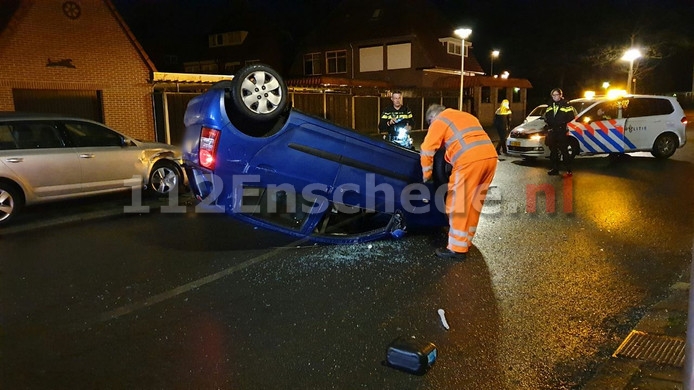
[103, 56]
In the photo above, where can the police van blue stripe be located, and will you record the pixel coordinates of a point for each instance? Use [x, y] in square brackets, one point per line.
[617, 144]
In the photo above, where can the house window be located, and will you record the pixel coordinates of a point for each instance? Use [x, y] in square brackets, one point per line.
[453, 48]
[516, 95]
[486, 95]
[336, 61]
[209, 67]
[233, 38]
[312, 64]
[501, 95]
[201, 67]
[400, 56]
[371, 59]
[171, 59]
[231, 67]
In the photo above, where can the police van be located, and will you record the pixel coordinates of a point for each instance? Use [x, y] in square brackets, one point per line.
[604, 125]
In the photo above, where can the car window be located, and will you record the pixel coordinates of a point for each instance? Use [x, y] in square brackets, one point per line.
[601, 111]
[6, 138]
[85, 134]
[29, 135]
[580, 105]
[646, 107]
[538, 111]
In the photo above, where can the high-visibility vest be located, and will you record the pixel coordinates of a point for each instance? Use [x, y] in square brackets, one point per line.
[462, 135]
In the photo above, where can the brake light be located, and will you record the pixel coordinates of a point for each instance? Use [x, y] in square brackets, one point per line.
[684, 120]
[209, 139]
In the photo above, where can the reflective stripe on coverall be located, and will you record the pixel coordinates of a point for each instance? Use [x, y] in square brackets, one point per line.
[474, 160]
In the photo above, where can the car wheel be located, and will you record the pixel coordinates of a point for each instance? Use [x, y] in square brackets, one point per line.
[574, 148]
[164, 178]
[442, 169]
[11, 202]
[259, 93]
[664, 146]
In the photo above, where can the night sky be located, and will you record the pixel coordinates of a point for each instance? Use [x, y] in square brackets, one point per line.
[575, 44]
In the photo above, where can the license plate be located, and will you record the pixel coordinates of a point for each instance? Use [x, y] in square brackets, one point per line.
[515, 143]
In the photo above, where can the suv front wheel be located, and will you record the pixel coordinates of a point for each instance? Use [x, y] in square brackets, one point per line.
[10, 202]
[164, 178]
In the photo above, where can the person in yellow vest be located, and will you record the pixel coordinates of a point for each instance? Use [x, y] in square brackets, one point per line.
[502, 124]
[473, 157]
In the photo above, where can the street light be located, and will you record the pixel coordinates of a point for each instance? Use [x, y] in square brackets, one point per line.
[495, 54]
[463, 34]
[631, 55]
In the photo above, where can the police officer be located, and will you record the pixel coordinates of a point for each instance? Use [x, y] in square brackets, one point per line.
[397, 113]
[557, 115]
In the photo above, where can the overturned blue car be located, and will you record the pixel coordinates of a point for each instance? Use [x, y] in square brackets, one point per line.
[250, 155]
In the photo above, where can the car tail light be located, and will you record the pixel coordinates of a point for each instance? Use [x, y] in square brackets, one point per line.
[209, 139]
[684, 120]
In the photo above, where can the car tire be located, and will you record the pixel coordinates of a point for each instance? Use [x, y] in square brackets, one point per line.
[574, 147]
[259, 93]
[664, 146]
[11, 202]
[442, 169]
[164, 178]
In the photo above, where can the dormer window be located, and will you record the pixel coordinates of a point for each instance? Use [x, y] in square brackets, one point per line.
[453, 45]
[233, 38]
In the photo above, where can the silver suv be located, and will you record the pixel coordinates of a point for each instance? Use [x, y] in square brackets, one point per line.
[51, 157]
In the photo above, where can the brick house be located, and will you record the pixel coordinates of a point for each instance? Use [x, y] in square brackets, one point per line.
[346, 68]
[407, 46]
[75, 57]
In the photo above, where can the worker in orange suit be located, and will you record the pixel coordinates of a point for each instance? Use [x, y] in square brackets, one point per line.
[473, 157]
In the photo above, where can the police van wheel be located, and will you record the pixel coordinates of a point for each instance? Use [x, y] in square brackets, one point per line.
[574, 148]
[664, 146]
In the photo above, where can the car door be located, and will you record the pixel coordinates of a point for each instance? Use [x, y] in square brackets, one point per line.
[647, 118]
[107, 163]
[600, 129]
[35, 154]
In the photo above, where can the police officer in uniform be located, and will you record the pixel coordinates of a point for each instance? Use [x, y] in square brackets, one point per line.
[557, 115]
[396, 114]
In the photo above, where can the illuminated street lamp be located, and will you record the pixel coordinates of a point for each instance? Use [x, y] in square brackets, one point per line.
[495, 54]
[463, 34]
[631, 55]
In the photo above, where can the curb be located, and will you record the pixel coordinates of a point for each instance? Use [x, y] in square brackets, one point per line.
[666, 320]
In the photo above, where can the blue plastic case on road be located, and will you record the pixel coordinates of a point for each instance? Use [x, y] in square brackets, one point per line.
[411, 355]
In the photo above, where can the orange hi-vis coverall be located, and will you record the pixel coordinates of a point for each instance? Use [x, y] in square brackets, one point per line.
[473, 157]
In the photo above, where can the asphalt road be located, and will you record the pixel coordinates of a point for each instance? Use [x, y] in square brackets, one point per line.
[187, 300]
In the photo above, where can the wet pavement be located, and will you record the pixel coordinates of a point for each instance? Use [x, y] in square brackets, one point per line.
[663, 323]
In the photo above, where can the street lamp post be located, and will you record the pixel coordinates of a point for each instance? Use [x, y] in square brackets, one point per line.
[631, 55]
[495, 54]
[463, 34]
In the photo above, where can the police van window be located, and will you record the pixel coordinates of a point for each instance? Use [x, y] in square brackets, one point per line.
[648, 107]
